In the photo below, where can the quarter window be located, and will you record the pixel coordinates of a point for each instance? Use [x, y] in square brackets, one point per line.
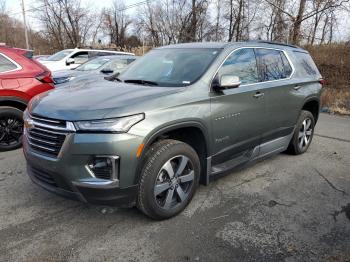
[241, 63]
[307, 64]
[6, 65]
[272, 64]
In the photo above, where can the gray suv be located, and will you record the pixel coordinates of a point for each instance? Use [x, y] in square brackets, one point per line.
[179, 116]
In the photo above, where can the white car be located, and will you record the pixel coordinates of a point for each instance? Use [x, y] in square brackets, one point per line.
[72, 58]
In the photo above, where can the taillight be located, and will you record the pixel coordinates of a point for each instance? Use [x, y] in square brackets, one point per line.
[322, 82]
[45, 77]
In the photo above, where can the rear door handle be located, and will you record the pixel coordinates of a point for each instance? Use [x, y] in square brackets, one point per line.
[258, 95]
[297, 87]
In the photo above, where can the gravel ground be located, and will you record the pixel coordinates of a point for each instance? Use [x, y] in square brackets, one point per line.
[286, 208]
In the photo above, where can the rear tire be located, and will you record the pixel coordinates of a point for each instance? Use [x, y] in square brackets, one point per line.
[11, 128]
[303, 133]
[169, 179]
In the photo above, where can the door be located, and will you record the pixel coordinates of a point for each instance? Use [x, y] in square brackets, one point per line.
[281, 95]
[238, 114]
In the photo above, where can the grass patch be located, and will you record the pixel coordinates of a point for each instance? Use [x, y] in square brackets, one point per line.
[333, 61]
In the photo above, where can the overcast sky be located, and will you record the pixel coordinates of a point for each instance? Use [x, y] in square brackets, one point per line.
[14, 8]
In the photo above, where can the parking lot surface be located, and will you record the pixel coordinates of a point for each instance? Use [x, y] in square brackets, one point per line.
[286, 208]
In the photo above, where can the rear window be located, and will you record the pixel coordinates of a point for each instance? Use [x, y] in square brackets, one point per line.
[6, 65]
[272, 64]
[306, 63]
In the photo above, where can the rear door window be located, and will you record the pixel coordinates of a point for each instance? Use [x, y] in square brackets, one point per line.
[272, 64]
[241, 63]
[6, 65]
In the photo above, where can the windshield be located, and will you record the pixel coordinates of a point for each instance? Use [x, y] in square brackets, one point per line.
[170, 67]
[59, 55]
[93, 64]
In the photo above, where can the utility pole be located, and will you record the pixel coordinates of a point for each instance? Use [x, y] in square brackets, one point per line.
[25, 25]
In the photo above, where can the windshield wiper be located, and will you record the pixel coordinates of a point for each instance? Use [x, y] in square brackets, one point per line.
[141, 82]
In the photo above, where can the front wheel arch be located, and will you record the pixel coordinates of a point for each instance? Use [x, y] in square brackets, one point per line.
[169, 132]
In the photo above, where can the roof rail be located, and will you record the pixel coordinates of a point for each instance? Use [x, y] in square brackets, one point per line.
[275, 43]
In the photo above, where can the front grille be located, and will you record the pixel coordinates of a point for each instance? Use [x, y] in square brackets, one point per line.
[43, 177]
[46, 136]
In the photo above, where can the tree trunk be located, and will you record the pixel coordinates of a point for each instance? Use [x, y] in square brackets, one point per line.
[193, 21]
[239, 20]
[295, 39]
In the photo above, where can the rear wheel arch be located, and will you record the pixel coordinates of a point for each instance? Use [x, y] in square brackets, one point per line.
[15, 103]
[192, 133]
[312, 105]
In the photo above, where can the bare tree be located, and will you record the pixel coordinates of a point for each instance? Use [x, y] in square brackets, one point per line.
[116, 23]
[67, 23]
[174, 21]
[239, 16]
[303, 14]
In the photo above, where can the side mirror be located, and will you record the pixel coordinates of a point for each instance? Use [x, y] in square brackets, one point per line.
[229, 81]
[226, 82]
[107, 71]
[113, 77]
[70, 61]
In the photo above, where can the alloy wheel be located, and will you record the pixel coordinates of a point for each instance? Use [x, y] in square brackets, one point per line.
[305, 134]
[11, 129]
[174, 182]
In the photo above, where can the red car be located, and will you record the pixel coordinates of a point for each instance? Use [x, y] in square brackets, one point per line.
[21, 78]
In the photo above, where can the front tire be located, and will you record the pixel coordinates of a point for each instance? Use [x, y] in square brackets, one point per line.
[303, 133]
[11, 128]
[169, 179]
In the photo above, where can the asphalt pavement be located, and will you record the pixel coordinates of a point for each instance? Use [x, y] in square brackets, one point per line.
[286, 208]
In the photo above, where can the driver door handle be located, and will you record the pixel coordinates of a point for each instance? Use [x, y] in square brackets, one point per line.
[258, 95]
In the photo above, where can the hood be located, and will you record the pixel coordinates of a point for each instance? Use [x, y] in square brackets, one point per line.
[68, 73]
[47, 62]
[62, 76]
[96, 100]
[78, 81]
[54, 65]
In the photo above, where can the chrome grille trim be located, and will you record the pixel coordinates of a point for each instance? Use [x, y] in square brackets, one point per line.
[54, 127]
[42, 147]
[50, 131]
[46, 120]
[42, 141]
[46, 136]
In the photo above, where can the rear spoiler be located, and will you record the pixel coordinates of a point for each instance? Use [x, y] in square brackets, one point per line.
[29, 54]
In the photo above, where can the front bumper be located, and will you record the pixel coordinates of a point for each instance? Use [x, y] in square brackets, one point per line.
[68, 175]
[100, 195]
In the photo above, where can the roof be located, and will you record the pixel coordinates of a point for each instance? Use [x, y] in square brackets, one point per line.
[14, 49]
[198, 45]
[222, 45]
[101, 50]
[117, 56]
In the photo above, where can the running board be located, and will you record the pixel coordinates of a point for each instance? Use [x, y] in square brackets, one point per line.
[222, 168]
[250, 156]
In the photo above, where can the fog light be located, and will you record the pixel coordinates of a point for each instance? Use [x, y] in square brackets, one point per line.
[105, 167]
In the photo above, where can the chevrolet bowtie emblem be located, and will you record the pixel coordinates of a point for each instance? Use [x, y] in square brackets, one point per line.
[28, 123]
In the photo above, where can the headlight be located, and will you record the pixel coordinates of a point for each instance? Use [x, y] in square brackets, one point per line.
[119, 125]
